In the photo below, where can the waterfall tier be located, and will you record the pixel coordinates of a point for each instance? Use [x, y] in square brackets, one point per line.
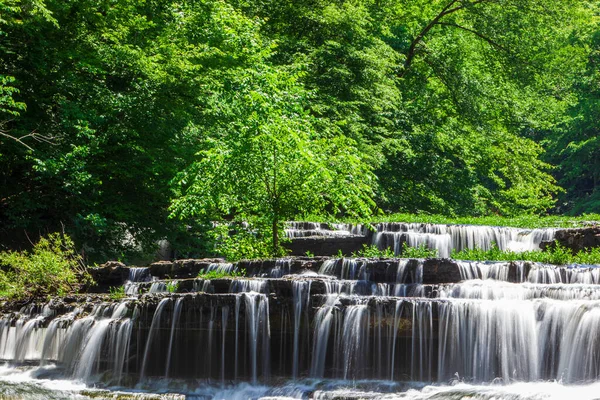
[326, 239]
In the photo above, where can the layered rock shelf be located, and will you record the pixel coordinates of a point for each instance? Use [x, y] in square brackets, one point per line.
[322, 317]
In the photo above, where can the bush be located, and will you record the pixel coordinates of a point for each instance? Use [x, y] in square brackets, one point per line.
[421, 251]
[53, 267]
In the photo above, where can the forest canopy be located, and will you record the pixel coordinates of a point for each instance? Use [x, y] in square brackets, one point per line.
[125, 122]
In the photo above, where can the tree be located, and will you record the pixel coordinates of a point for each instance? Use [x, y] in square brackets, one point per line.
[434, 93]
[574, 146]
[116, 84]
[264, 159]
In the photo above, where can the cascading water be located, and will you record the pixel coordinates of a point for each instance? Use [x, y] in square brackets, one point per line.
[375, 328]
[445, 238]
[442, 238]
[136, 276]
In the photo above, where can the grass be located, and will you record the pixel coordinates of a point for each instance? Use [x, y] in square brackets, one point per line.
[523, 221]
[221, 274]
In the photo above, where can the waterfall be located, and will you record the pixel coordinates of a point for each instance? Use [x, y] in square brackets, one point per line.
[300, 297]
[323, 320]
[174, 326]
[154, 328]
[257, 317]
[136, 276]
[354, 340]
[310, 326]
[445, 238]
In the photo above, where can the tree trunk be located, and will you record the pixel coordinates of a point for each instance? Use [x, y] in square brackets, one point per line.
[275, 234]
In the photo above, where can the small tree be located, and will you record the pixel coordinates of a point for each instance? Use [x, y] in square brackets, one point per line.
[265, 160]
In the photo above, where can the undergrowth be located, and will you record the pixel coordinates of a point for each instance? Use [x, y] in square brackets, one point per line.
[556, 254]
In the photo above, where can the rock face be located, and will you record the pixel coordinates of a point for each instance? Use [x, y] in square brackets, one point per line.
[109, 274]
[378, 270]
[576, 239]
[326, 245]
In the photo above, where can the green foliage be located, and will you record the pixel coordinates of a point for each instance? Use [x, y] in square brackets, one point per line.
[370, 251]
[265, 159]
[556, 254]
[575, 144]
[240, 243]
[520, 221]
[220, 111]
[421, 251]
[53, 267]
[221, 274]
[172, 287]
[117, 292]
[308, 253]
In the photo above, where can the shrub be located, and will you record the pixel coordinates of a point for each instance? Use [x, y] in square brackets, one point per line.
[53, 267]
[421, 251]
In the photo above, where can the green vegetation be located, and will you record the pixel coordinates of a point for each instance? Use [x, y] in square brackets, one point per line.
[117, 292]
[240, 242]
[555, 255]
[131, 122]
[370, 251]
[51, 268]
[172, 287]
[418, 252]
[521, 221]
[221, 274]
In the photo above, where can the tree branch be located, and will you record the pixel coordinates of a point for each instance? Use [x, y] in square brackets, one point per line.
[487, 39]
[20, 139]
[448, 9]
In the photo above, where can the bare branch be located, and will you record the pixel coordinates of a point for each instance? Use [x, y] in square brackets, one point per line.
[20, 139]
